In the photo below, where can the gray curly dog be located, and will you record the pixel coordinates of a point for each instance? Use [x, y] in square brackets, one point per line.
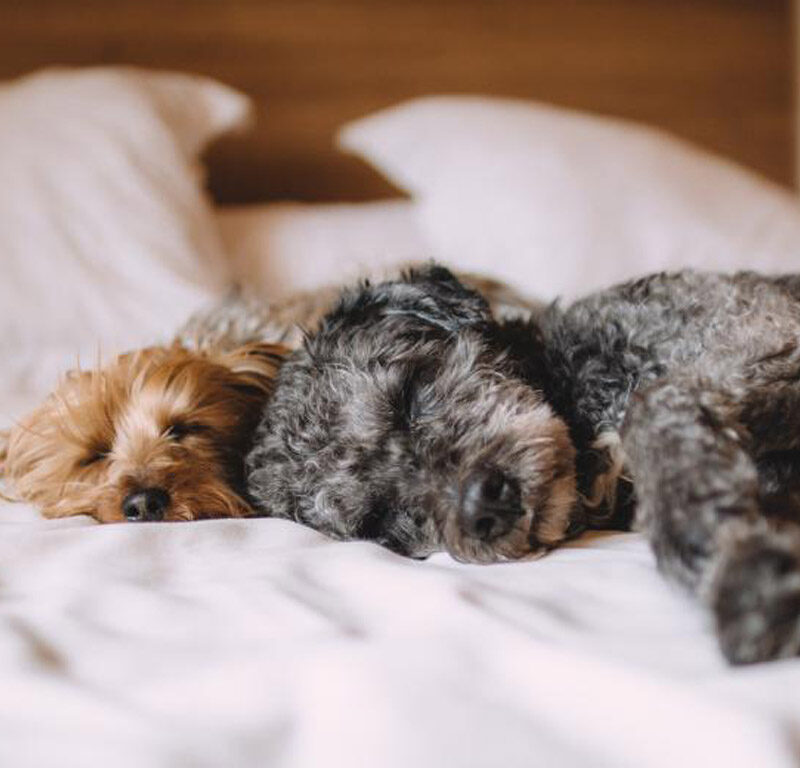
[414, 418]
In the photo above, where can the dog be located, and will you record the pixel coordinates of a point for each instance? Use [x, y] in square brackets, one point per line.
[415, 418]
[160, 434]
[157, 434]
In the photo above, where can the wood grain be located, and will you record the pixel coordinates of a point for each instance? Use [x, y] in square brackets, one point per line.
[718, 72]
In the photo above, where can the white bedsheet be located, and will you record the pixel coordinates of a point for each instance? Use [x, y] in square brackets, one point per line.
[258, 642]
[244, 643]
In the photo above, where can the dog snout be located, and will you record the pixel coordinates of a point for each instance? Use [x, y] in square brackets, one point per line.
[490, 504]
[147, 505]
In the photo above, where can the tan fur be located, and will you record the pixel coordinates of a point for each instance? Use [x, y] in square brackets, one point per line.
[162, 417]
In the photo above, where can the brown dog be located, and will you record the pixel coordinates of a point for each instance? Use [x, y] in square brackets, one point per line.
[157, 434]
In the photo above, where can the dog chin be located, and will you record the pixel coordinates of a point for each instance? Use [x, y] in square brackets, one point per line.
[480, 553]
[532, 537]
[519, 544]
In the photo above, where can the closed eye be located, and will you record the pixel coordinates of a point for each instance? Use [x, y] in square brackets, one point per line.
[100, 454]
[374, 521]
[183, 429]
[377, 524]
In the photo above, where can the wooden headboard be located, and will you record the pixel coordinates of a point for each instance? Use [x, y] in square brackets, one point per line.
[718, 72]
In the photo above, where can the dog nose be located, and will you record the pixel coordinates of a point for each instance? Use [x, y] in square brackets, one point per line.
[147, 505]
[490, 504]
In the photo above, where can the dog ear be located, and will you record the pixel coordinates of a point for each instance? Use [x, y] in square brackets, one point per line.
[255, 365]
[430, 297]
[443, 300]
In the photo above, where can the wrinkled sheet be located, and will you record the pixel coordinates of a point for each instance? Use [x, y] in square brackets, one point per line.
[259, 642]
[249, 643]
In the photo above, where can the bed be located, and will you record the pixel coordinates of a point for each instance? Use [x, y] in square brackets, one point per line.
[260, 642]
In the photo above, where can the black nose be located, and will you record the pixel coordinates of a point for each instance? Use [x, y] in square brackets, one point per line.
[147, 505]
[490, 504]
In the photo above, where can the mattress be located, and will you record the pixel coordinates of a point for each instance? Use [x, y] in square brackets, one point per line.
[259, 642]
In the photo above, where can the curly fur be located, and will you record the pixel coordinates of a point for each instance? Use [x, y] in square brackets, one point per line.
[677, 395]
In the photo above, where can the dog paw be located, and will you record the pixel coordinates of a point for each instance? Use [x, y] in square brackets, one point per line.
[756, 601]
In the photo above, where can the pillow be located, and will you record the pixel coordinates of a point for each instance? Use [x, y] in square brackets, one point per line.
[107, 239]
[280, 248]
[560, 203]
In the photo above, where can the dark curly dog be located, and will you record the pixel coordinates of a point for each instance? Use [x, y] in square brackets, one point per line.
[415, 419]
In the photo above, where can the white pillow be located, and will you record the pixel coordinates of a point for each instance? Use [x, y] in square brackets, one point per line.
[280, 248]
[560, 203]
[107, 239]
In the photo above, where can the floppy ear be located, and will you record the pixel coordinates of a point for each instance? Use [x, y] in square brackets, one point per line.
[255, 365]
[431, 296]
[436, 296]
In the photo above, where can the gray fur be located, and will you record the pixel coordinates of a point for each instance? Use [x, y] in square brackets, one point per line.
[677, 394]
